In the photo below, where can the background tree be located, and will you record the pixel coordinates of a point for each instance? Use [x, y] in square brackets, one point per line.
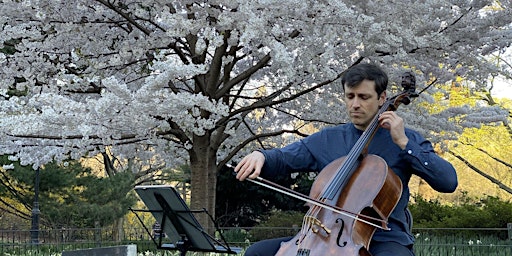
[482, 152]
[161, 84]
[70, 195]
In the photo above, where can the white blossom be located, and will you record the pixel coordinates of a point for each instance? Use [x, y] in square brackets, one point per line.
[77, 78]
[8, 167]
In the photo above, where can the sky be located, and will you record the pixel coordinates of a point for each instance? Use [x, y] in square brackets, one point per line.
[502, 89]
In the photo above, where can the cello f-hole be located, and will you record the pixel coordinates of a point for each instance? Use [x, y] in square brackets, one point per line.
[340, 233]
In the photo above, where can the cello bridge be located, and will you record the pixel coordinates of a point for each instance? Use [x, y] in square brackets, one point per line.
[314, 223]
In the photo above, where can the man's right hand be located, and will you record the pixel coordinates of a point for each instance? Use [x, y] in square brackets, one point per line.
[250, 166]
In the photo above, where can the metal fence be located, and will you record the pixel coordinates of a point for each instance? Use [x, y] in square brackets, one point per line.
[429, 242]
[55, 241]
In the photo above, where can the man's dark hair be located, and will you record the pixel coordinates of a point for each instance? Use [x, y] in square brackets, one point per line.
[356, 74]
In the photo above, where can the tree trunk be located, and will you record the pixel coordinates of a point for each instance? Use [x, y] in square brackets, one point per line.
[118, 230]
[203, 168]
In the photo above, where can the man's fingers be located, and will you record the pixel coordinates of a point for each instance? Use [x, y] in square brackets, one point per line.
[255, 171]
[245, 170]
[240, 170]
[250, 166]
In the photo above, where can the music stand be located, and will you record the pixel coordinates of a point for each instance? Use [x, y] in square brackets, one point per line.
[181, 229]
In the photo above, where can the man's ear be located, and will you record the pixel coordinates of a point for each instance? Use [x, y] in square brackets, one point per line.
[382, 98]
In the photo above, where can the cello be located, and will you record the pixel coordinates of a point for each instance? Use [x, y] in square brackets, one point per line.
[351, 196]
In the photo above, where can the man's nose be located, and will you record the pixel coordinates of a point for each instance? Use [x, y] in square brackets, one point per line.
[356, 103]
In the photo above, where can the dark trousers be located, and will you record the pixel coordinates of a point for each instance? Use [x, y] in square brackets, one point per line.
[271, 246]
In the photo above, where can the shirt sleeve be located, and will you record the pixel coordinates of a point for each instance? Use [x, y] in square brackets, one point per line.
[436, 171]
[295, 157]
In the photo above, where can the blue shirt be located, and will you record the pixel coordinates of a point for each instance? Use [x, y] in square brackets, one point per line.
[316, 151]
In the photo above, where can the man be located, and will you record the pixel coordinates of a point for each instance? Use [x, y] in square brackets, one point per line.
[405, 151]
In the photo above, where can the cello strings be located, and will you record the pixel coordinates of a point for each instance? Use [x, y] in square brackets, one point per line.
[324, 205]
[343, 174]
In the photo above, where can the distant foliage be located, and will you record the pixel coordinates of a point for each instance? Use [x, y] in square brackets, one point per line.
[289, 223]
[489, 212]
[245, 204]
[70, 195]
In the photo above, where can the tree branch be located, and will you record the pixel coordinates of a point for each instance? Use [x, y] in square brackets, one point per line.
[489, 177]
[253, 138]
[125, 15]
[489, 155]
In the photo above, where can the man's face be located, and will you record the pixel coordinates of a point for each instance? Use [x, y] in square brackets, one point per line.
[363, 103]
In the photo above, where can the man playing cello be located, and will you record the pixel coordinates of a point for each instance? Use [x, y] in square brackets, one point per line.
[405, 151]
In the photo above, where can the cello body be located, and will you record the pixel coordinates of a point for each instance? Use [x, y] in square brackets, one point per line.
[373, 190]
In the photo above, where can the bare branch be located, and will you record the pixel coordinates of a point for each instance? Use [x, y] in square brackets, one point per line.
[489, 177]
[489, 155]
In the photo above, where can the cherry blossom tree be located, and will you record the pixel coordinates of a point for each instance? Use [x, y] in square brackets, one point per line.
[166, 83]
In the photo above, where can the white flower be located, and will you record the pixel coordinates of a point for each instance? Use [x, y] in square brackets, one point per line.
[8, 167]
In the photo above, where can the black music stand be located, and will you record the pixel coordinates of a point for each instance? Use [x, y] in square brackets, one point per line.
[180, 229]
